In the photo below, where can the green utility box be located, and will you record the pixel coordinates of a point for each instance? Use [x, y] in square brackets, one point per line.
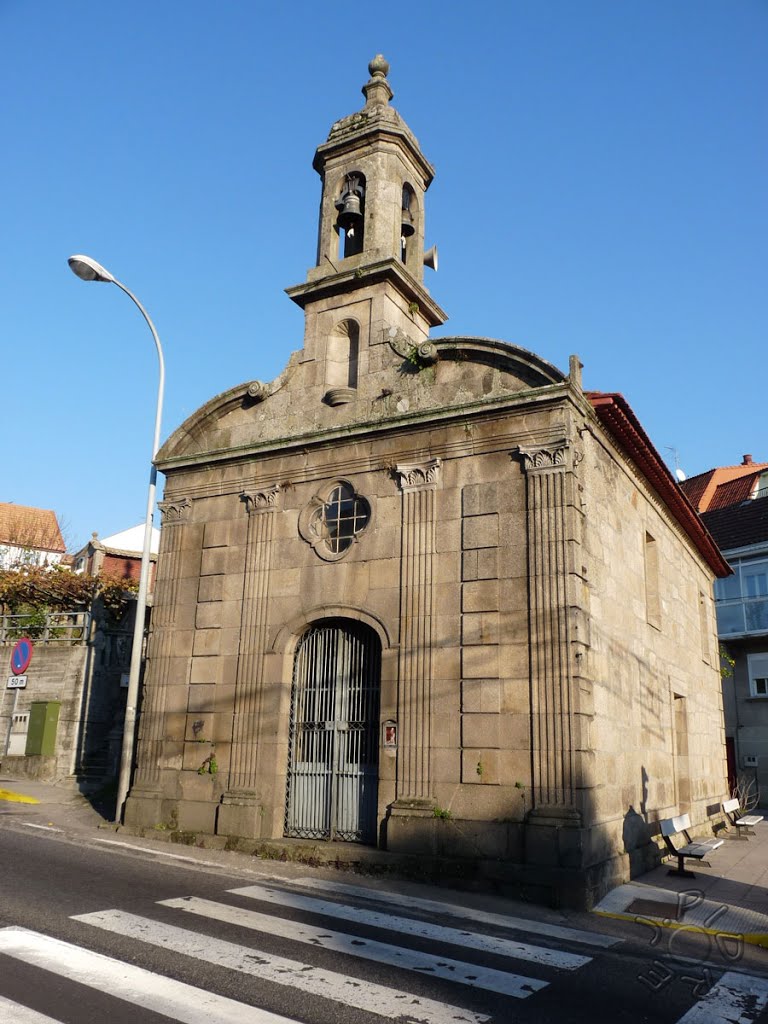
[41, 732]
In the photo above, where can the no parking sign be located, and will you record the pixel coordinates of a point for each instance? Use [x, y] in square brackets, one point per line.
[21, 655]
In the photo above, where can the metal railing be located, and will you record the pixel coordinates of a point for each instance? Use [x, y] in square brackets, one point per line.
[49, 628]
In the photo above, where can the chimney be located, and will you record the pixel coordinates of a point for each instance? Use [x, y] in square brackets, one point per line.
[747, 460]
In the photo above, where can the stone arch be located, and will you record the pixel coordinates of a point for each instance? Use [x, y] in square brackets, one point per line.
[290, 634]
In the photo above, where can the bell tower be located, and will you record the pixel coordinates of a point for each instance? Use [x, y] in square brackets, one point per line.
[369, 276]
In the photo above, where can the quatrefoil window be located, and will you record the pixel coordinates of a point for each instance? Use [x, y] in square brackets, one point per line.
[334, 519]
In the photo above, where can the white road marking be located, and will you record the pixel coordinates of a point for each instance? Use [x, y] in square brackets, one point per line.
[474, 975]
[738, 998]
[15, 1013]
[183, 1003]
[45, 828]
[421, 929]
[363, 995]
[163, 853]
[400, 900]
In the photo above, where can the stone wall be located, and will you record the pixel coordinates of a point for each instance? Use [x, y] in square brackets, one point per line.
[656, 737]
[55, 674]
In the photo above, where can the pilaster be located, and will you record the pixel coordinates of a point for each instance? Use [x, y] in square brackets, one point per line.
[234, 819]
[418, 483]
[547, 468]
[175, 515]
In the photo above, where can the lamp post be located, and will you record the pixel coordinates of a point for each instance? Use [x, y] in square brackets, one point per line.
[89, 270]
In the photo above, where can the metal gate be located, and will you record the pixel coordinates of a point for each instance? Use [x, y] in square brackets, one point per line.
[334, 743]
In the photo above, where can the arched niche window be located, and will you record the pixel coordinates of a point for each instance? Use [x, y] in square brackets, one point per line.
[334, 519]
[408, 217]
[350, 222]
[342, 358]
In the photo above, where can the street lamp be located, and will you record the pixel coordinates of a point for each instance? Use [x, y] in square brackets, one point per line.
[89, 270]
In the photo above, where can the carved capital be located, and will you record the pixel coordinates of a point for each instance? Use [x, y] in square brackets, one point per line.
[544, 456]
[419, 475]
[175, 511]
[260, 501]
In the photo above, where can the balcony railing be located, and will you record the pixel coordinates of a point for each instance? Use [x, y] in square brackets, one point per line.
[50, 628]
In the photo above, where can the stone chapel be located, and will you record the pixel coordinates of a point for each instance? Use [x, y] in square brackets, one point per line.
[426, 594]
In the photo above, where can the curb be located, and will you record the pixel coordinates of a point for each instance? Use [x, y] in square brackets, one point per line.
[17, 798]
[752, 938]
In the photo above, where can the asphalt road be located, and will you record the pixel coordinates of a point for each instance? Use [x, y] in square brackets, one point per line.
[182, 945]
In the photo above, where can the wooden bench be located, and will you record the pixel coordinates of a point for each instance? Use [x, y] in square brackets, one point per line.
[743, 823]
[696, 849]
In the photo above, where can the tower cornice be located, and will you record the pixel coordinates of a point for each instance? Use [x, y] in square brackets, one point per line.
[348, 281]
[370, 130]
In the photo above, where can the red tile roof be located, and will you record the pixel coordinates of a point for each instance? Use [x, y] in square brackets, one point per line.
[733, 492]
[618, 419]
[701, 489]
[26, 527]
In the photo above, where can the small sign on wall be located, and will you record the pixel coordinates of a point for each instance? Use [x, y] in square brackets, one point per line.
[389, 738]
[16, 682]
[124, 680]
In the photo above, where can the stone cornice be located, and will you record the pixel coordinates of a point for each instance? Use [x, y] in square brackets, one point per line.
[373, 428]
[350, 281]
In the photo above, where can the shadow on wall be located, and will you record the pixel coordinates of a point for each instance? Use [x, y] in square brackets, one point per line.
[638, 832]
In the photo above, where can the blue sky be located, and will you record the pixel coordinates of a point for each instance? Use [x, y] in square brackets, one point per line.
[600, 189]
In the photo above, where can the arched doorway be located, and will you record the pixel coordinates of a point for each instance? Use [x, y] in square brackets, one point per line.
[334, 743]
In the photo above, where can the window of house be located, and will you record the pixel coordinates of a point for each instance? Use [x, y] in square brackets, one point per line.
[758, 674]
[652, 600]
[742, 599]
[704, 626]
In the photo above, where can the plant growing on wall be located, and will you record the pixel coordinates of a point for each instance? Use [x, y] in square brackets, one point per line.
[726, 662]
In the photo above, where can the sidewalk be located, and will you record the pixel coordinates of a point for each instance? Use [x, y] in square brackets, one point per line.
[727, 900]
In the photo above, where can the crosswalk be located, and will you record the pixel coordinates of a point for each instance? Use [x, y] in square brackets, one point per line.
[248, 931]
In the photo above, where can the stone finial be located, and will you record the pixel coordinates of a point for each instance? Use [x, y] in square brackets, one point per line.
[376, 90]
[379, 67]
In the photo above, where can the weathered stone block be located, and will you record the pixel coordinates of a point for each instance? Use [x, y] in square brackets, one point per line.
[197, 816]
[481, 730]
[209, 614]
[199, 727]
[481, 596]
[479, 628]
[207, 642]
[480, 532]
[202, 698]
[481, 695]
[216, 535]
[480, 662]
[480, 766]
[195, 754]
[477, 499]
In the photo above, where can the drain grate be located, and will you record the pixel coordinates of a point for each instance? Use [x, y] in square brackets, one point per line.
[654, 908]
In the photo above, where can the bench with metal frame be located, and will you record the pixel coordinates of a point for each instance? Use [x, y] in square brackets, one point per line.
[743, 823]
[694, 849]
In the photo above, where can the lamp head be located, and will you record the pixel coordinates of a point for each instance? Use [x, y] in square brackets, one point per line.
[89, 270]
